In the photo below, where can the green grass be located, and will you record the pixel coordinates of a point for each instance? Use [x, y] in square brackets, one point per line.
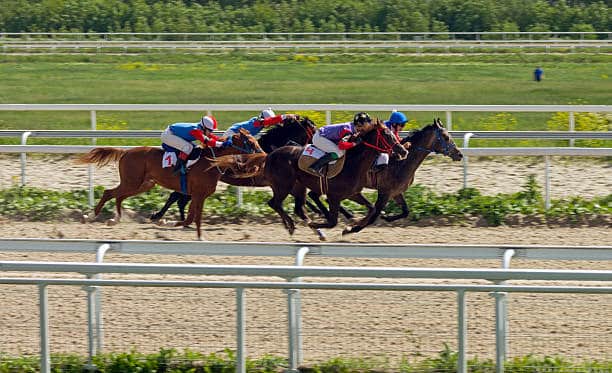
[269, 79]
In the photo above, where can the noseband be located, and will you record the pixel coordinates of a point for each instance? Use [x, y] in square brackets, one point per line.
[446, 146]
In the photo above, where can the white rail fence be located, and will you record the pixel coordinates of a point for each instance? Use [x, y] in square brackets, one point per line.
[571, 134]
[59, 42]
[292, 278]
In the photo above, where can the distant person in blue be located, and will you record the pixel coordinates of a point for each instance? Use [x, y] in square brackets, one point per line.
[254, 125]
[537, 74]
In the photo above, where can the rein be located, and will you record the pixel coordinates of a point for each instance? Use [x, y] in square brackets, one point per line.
[387, 147]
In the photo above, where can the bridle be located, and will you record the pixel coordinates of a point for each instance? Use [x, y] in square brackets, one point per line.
[382, 144]
[447, 146]
[247, 149]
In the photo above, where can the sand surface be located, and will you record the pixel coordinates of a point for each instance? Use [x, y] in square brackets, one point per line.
[335, 323]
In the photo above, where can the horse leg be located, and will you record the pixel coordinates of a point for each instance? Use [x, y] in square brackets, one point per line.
[360, 199]
[276, 203]
[399, 199]
[370, 218]
[174, 196]
[334, 206]
[120, 195]
[108, 194]
[300, 200]
[182, 203]
[195, 210]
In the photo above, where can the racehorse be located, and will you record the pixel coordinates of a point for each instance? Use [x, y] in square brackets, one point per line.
[293, 131]
[399, 174]
[140, 169]
[285, 177]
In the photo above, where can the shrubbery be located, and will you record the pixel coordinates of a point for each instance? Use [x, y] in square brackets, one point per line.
[171, 361]
[36, 204]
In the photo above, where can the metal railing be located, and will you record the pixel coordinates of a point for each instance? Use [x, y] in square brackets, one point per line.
[300, 251]
[59, 42]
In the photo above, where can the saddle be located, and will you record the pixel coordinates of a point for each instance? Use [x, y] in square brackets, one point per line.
[311, 154]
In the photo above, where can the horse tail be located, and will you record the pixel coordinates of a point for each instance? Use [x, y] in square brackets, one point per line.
[242, 166]
[102, 156]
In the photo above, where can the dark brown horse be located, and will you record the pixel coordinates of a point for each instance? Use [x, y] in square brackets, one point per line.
[393, 181]
[285, 177]
[141, 168]
[294, 131]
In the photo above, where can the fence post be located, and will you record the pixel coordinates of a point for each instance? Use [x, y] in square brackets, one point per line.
[294, 310]
[240, 331]
[462, 332]
[100, 252]
[572, 125]
[45, 360]
[449, 121]
[327, 117]
[24, 140]
[547, 182]
[91, 310]
[466, 143]
[501, 318]
[91, 166]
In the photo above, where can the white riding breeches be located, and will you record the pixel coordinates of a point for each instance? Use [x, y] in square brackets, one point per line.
[327, 145]
[383, 158]
[176, 142]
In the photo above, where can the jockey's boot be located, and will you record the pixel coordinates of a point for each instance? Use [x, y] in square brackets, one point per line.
[319, 164]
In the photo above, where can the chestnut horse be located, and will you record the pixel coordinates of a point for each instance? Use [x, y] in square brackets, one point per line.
[140, 169]
[292, 132]
[282, 172]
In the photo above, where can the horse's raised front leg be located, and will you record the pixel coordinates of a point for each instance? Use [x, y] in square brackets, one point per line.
[322, 210]
[399, 199]
[370, 218]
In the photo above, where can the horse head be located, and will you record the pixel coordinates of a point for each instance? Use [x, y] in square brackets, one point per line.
[245, 142]
[434, 138]
[378, 136]
[292, 131]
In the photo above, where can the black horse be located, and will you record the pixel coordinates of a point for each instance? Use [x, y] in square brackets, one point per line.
[298, 131]
[285, 177]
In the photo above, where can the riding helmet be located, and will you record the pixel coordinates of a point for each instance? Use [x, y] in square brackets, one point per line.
[361, 117]
[208, 122]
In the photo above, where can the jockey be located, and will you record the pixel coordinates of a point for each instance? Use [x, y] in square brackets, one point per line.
[254, 125]
[336, 139]
[180, 137]
[396, 123]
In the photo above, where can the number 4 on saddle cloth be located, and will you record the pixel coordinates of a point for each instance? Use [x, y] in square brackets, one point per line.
[311, 154]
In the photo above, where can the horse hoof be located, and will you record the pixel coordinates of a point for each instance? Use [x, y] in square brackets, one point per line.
[322, 236]
[111, 222]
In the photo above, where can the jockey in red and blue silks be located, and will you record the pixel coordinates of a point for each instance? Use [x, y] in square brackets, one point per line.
[180, 137]
[254, 125]
[335, 140]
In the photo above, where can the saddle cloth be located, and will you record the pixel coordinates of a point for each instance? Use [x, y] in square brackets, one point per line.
[169, 160]
[310, 156]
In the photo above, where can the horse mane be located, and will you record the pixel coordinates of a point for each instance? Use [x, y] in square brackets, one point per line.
[242, 165]
[416, 136]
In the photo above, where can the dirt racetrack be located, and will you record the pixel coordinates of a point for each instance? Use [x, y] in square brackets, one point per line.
[335, 323]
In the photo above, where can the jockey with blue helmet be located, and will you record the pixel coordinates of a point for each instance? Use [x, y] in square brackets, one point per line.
[396, 123]
[254, 125]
